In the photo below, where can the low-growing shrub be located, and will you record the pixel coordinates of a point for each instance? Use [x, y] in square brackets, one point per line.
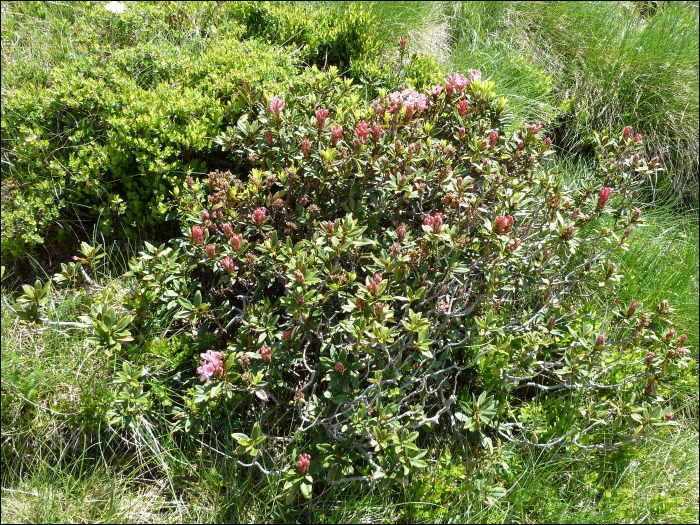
[382, 269]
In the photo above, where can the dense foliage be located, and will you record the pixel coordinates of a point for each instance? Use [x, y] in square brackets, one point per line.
[374, 269]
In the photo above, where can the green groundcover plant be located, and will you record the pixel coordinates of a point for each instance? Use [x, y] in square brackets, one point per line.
[375, 268]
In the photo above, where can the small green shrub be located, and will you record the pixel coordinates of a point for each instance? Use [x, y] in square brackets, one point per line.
[108, 140]
[361, 282]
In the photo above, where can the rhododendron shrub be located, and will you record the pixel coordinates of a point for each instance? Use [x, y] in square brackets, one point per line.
[355, 291]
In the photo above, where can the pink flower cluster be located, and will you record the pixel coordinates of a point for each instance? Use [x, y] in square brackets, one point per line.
[259, 217]
[306, 148]
[336, 133]
[198, 234]
[463, 107]
[603, 197]
[204, 215]
[493, 139]
[378, 309]
[276, 106]
[632, 308]
[626, 133]
[298, 276]
[360, 302]
[236, 242]
[503, 224]
[599, 343]
[535, 128]
[455, 83]
[268, 138]
[211, 251]
[303, 463]
[227, 263]
[414, 102]
[373, 287]
[287, 336]
[339, 367]
[266, 353]
[402, 44]
[434, 221]
[362, 131]
[514, 244]
[228, 230]
[330, 227]
[321, 115]
[376, 131]
[474, 75]
[211, 365]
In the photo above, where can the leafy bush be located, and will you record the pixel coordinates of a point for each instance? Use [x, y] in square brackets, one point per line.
[109, 139]
[385, 268]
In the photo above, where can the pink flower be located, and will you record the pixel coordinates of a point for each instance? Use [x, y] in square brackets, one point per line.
[228, 230]
[474, 75]
[198, 234]
[306, 148]
[569, 232]
[428, 221]
[397, 145]
[401, 233]
[336, 133]
[550, 324]
[460, 181]
[276, 106]
[603, 197]
[362, 131]
[650, 357]
[504, 224]
[632, 308]
[287, 336]
[301, 299]
[259, 217]
[663, 307]
[204, 215]
[456, 82]
[402, 181]
[378, 309]
[626, 133]
[636, 214]
[669, 417]
[211, 365]
[339, 367]
[599, 343]
[298, 276]
[414, 101]
[376, 131]
[530, 161]
[330, 227]
[548, 142]
[462, 132]
[637, 138]
[377, 278]
[681, 340]
[463, 107]
[266, 353]
[653, 162]
[211, 251]
[535, 128]
[227, 263]
[437, 223]
[670, 335]
[321, 115]
[402, 44]
[303, 463]
[268, 138]
[236, 242]
[360, 303]
[493, 139]
[435, 91]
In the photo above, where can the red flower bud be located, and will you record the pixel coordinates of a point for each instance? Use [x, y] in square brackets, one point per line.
[259, 217]
[336, 133]
[298, 276]
[303, 463]
[493, 139]
[378, 309]
[463, 109]
[228, 230]
[227, 263]
[650, 357]
[637, 138]
[236, 242]
[632, 308]
[376, 131]
[205, 215]
[266, 353]
[339, 367]
[663, 306]
[211, 251]
[287, 336]
[360, 303]
[603, 197]
[550, 324]
[306, 148]
[321, 115]
[636, 214]
[681, 340]
[198, 235]
[600, 342]
[626, 133]
[401, 233]
[268, 138]
[402, 44]
[330, 227]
